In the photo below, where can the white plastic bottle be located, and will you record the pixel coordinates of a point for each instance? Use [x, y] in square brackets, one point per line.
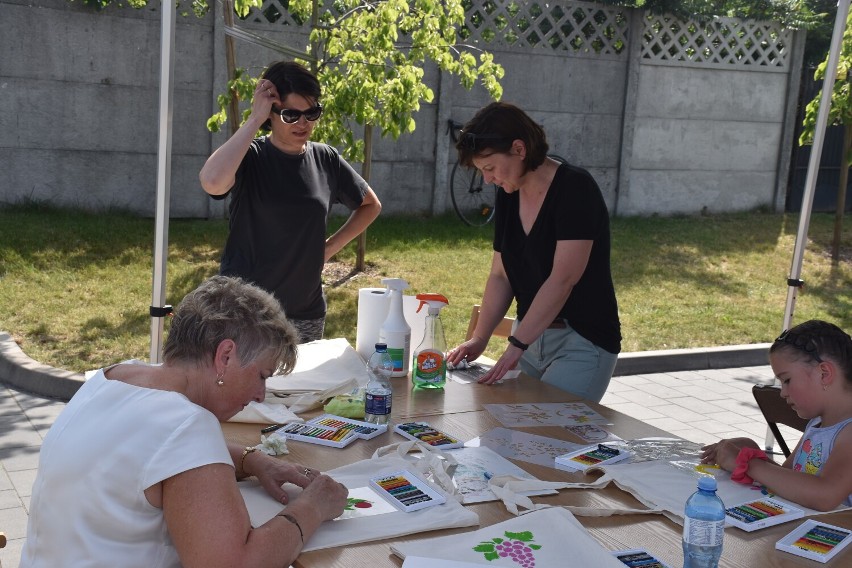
[379, 393]
[703, 526]
[395, 331]
[429, 364]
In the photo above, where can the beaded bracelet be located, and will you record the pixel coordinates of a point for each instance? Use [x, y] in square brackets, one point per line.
[246, 452]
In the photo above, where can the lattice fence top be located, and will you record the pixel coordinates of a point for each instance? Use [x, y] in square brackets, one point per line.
[723, 41]
[574, 27]
[566, 26]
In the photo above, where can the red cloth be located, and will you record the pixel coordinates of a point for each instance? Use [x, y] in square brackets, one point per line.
[746, 454]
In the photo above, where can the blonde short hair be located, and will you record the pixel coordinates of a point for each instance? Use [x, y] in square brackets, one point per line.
[227, 307]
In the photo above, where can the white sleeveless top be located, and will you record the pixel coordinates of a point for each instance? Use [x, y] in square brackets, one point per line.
[110, 443]
[816, 446]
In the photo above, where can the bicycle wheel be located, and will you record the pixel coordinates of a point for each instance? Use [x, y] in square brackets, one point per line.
[473, 199]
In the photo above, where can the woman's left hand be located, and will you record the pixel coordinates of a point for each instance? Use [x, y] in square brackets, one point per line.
[272, 473]
[507, 361]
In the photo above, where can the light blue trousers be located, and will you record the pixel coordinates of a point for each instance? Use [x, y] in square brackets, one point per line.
[569, 361]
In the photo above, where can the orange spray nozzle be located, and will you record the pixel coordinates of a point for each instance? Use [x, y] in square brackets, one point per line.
[434, 300]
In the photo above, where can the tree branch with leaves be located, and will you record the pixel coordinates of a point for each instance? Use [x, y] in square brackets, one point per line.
[370, 57]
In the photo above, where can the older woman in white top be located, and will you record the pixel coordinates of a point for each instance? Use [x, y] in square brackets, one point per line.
[136, 471]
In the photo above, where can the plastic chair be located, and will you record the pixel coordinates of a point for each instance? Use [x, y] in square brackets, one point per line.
[776, 411]
[504, 328]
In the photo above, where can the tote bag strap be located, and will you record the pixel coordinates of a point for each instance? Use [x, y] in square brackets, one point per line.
[508, 489]
[433, 463]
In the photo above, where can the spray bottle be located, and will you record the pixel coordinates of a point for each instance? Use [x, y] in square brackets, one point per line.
[395, 331]
[429, 365]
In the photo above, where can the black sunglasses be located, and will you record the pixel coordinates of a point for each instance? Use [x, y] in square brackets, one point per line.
[292, 116]
[473, 142]
[805, 344]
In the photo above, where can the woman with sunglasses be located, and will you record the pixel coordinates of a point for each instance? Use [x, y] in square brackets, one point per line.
[813, 362]
[551, 255]
[282, 186]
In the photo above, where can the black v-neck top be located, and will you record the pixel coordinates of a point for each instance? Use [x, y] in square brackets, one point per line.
[573, 209]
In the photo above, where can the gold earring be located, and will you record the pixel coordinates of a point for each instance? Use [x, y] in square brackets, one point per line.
[219, 380]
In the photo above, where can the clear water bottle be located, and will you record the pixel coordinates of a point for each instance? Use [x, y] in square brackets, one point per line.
[377, 401]
[703, 526]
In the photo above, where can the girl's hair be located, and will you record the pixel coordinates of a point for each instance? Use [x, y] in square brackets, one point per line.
[817, 340]
[493, 129]
[225, 307]
[290, 77]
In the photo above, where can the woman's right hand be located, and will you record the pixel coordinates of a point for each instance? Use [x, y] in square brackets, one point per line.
[326, 496]
[469, 350]
[265, 95]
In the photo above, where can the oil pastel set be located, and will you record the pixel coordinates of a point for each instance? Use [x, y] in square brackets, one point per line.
[406, 491]
[423, 432]
[592, 456]
[331, 430]
[761, 513]
[815, 540]
[638, 558]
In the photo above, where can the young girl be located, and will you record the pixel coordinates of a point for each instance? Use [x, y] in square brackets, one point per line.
[813, 361]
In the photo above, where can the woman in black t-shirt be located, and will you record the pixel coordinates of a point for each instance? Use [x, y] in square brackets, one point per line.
[282, 187]
[551, 255]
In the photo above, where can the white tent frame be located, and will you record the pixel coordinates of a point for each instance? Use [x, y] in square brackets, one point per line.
[159, 309]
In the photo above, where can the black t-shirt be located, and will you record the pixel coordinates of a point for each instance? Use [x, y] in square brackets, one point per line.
[573, 209]
[278, 221]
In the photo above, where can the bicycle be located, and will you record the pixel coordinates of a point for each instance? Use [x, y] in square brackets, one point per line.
[473, 199]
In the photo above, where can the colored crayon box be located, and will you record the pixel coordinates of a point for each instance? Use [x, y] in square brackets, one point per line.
[316, 434]
[406, 491]
[761, 513]
[815, 540]
[423, 432]
[330, 430]
[363, 430]
[591, 456]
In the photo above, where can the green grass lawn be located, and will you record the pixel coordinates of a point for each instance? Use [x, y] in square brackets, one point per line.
[75, 287]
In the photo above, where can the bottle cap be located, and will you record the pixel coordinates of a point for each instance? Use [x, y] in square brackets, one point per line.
[381, 346]
[707, 483]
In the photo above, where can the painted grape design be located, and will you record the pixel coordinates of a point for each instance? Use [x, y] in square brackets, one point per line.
[519, 547]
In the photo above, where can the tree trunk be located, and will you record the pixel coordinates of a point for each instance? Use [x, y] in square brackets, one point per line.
[231, 61]
[360, 263]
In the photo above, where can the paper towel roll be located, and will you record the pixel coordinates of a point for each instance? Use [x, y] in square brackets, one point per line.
[373, 305]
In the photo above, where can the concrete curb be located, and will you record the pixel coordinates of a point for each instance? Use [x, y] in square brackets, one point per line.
[20, 372]
[667, 361]
[24, 374]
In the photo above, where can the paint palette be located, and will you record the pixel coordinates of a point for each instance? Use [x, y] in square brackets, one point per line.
[407, 492]
[330, 430]
[815, 540]
[592, 456]
[423, 432]
[761, 513]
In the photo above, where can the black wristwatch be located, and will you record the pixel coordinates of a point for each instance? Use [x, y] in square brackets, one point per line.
[518, 343]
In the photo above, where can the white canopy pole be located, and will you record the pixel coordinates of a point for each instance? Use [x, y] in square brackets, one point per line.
[164, 170]
[794, 282]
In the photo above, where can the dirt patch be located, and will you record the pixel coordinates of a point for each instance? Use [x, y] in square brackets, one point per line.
[336, 273]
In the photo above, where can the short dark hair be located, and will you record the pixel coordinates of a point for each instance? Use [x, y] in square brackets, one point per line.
[290, 77]
[494, 128]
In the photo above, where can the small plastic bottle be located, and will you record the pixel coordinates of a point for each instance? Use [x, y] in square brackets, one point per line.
[379, 394]
[703, 526]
